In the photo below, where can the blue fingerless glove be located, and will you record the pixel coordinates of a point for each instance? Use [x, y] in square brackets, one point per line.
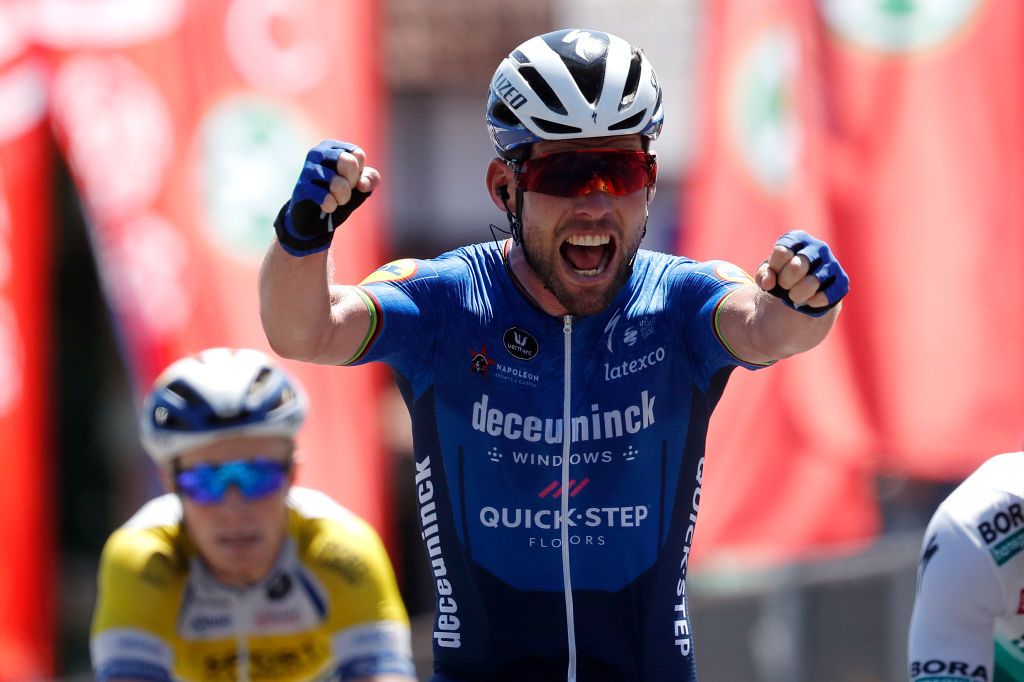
[302, 228]
[835, 283]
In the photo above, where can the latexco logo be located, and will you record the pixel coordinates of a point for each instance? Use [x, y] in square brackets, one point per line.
[638, 364]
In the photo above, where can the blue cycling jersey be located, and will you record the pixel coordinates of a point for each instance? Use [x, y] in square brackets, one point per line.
[507, 501]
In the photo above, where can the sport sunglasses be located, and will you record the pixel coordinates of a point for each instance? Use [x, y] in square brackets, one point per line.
[254, 478]
[577, 172]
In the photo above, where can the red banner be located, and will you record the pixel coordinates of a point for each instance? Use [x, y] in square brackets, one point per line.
[185, 124]
[927, 122]
[786, 469]
[27, 535]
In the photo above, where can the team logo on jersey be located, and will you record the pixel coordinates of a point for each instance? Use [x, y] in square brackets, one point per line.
[732, 273]
[947, 670]
[520, 344]
[480, 361]
[898, 26]
[279, 586]
[554, 489]
[159, 570]
[634, 330]
[609, 331]
[344, 561]
[277, 618]
[395, 271]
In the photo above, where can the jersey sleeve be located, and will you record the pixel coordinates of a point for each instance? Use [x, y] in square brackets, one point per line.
[699, 290]
[368, 624]
[406, 300]
[137, 601]
[958, 600]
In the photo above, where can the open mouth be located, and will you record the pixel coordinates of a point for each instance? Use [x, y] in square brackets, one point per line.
[588, 254]
[239, 541]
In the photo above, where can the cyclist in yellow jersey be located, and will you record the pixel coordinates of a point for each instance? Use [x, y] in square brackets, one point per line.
[238, 575]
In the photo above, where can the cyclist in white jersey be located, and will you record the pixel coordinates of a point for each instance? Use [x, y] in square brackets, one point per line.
[968, 621]
[560, 382]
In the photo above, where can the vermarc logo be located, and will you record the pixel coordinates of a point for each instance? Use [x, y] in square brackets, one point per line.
[520, 343]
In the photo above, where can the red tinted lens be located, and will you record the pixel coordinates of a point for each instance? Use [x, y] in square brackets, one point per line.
[577, 172]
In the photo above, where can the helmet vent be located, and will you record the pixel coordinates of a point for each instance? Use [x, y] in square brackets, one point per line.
[629, 90]
[260, 382]
[284, 398]
[520, 57]
[589, 77]
[627, 123]
[220, 421]
[555, 128]
[543, 90]
[503, 114]
[188, 394]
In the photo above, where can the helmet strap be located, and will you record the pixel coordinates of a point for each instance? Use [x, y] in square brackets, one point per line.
[515, 220]
[647, 215]
[647, 212]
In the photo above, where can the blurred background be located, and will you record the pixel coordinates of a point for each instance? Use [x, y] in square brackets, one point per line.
[146, 146]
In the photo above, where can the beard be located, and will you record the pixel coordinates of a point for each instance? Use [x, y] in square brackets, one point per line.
[579, 303]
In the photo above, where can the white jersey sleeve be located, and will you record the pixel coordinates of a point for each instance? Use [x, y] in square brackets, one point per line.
[958, 601]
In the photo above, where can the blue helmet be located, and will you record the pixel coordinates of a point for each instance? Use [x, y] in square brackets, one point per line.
[219, 393]
[572, 84]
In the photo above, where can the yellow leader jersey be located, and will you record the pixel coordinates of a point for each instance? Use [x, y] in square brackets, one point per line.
[329, 609]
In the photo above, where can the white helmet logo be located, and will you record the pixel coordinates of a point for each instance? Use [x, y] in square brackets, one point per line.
[587, 46]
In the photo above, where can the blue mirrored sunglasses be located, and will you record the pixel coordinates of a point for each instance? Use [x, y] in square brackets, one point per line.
[254, 478]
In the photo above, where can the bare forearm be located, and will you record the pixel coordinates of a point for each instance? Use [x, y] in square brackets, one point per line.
[779, 331]
[760, 329]
[792, 305]
[303, 317]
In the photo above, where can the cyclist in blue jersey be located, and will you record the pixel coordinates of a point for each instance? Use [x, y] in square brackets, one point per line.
[560, 382]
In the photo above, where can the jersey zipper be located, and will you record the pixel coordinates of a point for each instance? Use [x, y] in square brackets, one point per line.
[243, 615]
[566, 453]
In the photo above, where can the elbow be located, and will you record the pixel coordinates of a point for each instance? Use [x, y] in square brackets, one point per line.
[288, 348]
[288, 343]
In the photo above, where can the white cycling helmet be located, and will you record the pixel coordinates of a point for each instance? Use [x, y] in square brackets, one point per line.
[219, 393]
[572, 84]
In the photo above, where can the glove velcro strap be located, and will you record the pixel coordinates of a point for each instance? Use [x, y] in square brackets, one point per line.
[306, 219]
[295, 246]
